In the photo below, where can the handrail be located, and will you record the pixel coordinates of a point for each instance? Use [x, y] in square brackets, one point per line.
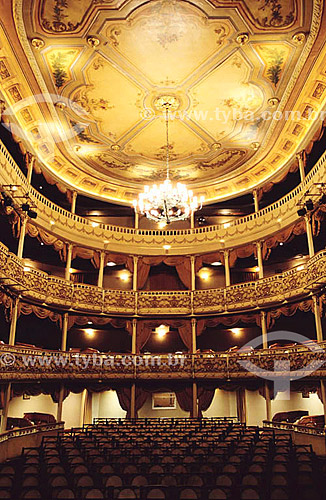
[119, 236]
[27, 431]
[303, 429]
[40, 288]
[60, 365]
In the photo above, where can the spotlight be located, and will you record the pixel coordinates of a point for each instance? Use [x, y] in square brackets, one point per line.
[309, 205]
[32, 214]
[201, 221]
[25, 207]
[302, 211]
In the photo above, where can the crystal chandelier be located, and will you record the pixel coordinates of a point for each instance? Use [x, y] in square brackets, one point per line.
[167, 202]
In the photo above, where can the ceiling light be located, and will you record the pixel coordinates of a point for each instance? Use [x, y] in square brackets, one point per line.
[166, 247]
[111, 264]
[162, 224]
[90, 332]
[279, 219]
[226, 225]
[27, 269]
[300, 268]
[256, 269]
[162, 330]
[71, 270]
[237, 331]
[204, 274]
[14, 188]
[42, 244]
[167, 202]
[95, 224]
[217, 263]
[52, 222]
[124, 276]
[89, 322]
[281, 243]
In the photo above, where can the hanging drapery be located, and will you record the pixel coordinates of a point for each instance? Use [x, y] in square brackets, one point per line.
[184, 398]
[182, 265]
[124, 396]
[205, 397]
[288, 310]
[283, 237]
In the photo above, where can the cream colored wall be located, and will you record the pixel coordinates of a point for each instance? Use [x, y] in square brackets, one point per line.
[255, 407]
[42, 403]
[297, 402]
[223, 405]
[106, 405]
[71, 411]
[147, 412]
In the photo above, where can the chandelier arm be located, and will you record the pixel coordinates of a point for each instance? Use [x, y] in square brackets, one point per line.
[166, 212]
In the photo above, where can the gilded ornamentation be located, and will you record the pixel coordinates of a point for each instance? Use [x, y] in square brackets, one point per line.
[4, 72]
[93, 41]
[91, 104]
[38, 43]
[59, 21]
[59, 64]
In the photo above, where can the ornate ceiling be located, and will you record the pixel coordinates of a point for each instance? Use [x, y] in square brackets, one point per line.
[107, 65]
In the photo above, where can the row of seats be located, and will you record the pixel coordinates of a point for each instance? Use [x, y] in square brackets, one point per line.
[193, 459]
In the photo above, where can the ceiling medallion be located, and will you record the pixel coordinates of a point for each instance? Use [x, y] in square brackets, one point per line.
[38, 43]
[216, 146]
[273, 101]
[167, 202]
[60, 105]
[242, 38]
[115, 147]
[254, 145]
[93, 41]
[299, 38]
[162, 102]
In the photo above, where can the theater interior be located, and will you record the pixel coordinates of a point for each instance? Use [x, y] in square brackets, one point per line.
[163, 249]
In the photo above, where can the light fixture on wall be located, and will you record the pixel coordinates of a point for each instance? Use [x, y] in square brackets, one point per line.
[124, 276]
[237, 331]
[204, 274]
[167, 202]
[162, 330]
[89, 332]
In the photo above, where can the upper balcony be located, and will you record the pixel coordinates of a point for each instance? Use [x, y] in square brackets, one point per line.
[51, 291]
[80, 231]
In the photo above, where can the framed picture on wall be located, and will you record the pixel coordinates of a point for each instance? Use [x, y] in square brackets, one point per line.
[164, 401]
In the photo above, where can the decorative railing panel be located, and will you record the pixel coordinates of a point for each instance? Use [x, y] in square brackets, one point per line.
[21, 364]
[38, 287]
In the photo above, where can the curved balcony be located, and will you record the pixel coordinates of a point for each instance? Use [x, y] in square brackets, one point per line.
[38, 287]
[19, 364]
[79, 230]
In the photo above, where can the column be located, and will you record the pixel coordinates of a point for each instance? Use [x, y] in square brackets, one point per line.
[21, 241]
[83, 407]
[227, 268]
[136, 220]
[64, 335]
[101, 270]
[68, 262]
[13, 322]
[268, 403]
[135, 275]
[318, 323]
[134, 337]
[260, 259]
[264, 329]
[194, 400]
[73, 202]
[256, 200]
[309, 235]
[194, 335]
[133, 401]
[5, 410]
[30, 161]
[300, 158]
[323, 396]
[193, 272]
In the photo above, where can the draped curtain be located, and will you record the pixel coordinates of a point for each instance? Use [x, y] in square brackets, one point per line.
[182, 265]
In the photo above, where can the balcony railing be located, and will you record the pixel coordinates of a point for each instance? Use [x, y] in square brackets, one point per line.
[40, 288]
[79, 230]
[19, 364]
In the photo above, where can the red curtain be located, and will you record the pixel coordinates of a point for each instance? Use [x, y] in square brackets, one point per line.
[182, 265]
[124, 396]
[184, 398]
[205, 398]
